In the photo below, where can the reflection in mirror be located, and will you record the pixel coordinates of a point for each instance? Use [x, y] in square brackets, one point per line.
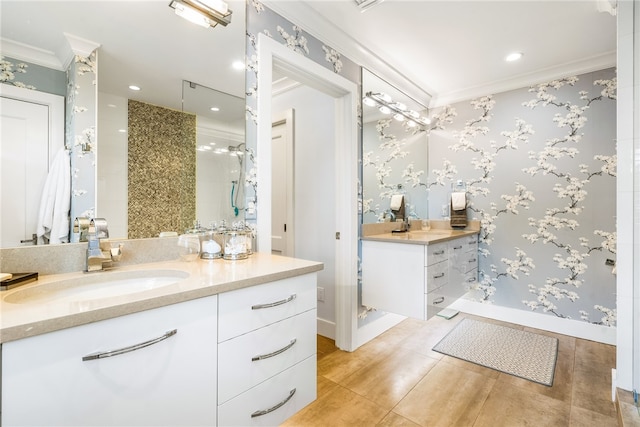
[172, 51]
[395, 150]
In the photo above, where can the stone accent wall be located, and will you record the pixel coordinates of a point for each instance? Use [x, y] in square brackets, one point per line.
[162, 170]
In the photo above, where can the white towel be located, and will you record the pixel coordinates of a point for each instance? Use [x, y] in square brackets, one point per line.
[53, 217]
[458, 201]
[396, 202]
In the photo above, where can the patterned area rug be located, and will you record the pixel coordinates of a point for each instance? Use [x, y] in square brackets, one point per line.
[523, 354]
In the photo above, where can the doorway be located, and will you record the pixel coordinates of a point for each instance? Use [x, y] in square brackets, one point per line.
[283, 183]
[274, 56]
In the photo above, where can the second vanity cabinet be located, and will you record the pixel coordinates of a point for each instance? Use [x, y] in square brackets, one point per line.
[244, 357]
[417, 280]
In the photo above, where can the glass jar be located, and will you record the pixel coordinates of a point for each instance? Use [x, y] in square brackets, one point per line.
[235, 244]
[210, 247]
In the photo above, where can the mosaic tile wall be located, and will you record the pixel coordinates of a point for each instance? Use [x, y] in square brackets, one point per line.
[162, 170]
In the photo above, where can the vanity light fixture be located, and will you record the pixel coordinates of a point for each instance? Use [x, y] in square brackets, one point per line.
[206, 13]
[400, 112]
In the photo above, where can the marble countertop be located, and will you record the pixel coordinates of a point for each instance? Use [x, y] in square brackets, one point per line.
[206, 277]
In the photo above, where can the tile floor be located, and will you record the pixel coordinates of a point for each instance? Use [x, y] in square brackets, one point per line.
[396, 380]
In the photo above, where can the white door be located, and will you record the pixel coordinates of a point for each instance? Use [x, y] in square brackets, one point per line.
[31, 134]
[282, 227]
[24, 154]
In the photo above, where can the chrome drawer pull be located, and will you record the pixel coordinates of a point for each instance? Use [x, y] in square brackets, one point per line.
[473, 260]
[273, 304]
[440, 252]
[438, 276]
[439, 300]
[471, 280]
[134, 347]
[275, 353]
[457, 247]
[273, 408]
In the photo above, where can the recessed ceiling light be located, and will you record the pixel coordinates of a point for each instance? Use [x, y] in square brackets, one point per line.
[513, 56]
[238, 65]
[215, 109]
[122, 130]
[134, 87]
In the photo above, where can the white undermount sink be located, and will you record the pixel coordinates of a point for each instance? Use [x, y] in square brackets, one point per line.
[94, 286]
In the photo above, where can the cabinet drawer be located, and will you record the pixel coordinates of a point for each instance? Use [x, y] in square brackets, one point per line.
[471, 241]
[251, 308]
[435, 253]
[464, 262]
[281, 345]
[437, 275]
[436, 301]
[275, 395]
[471, 261]
[45, 380]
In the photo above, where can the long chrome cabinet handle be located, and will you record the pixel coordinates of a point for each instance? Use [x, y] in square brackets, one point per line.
[273, 408]
[273, 304]
[440, 252]
[134, 347]
[437, 276]
[275, 353]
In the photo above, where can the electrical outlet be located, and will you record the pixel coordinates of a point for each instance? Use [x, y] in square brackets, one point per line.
[320, 294]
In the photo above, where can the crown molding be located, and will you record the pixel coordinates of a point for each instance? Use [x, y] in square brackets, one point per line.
[34, 55]
[595, 63]
[301, 14]
[76, 46]
[58, 60]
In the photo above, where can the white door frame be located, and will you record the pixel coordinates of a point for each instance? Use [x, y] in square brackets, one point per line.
[55, 104]
[272, 54]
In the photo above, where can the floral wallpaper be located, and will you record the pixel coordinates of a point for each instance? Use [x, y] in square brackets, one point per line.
[32, 76]
[394, 157]
[80, 134]
[539, 166]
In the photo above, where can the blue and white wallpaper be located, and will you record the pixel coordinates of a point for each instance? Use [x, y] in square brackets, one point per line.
[540, 169]
[80, 138]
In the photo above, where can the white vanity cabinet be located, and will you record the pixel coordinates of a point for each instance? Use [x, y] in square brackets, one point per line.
[417, 280]
[156, 367]
[267, 352]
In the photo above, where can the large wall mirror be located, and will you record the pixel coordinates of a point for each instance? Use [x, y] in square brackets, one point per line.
[179, 67]
[395, 150]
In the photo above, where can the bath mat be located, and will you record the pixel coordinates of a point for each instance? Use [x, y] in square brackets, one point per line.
[524, 354]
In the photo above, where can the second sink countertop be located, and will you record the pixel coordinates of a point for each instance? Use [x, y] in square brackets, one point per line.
[439, 231]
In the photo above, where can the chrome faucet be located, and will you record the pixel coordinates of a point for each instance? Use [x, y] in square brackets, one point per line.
[99, 249]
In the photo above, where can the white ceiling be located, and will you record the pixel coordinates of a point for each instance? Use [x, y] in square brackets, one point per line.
[141, 42]
[454, 50]
[446, 49]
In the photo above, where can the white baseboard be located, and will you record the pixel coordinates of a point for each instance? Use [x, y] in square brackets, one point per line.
[371, 330]
[326, 328]
[574, 328]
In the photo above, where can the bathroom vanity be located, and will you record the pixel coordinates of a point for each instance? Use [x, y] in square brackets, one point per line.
[418, 273]
[218, 343]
